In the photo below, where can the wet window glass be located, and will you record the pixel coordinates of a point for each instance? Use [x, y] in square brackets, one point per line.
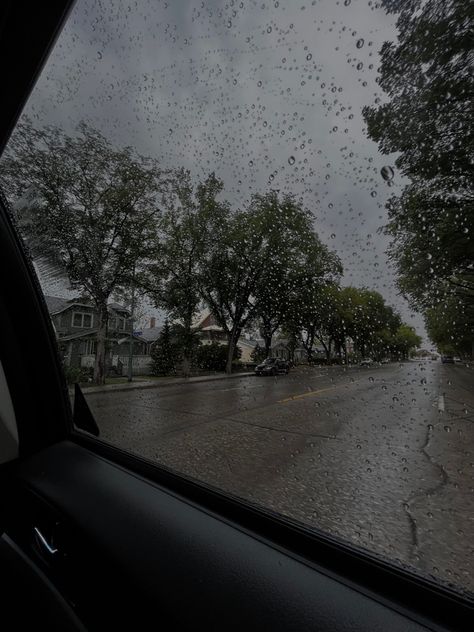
[204, 185]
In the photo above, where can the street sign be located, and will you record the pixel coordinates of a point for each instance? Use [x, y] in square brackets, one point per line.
[138, 332]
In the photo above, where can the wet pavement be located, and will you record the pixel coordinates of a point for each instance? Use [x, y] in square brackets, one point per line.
[382, 457]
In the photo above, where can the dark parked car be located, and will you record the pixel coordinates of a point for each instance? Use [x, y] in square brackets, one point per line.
[447, 359]
[272, 366]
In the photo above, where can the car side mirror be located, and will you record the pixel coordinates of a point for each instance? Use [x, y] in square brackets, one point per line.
[82, 415]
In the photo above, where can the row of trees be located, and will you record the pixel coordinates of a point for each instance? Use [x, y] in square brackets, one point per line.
[115, 223]
[428, 79]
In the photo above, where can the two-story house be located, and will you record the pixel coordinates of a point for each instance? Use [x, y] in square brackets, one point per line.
[76, 324]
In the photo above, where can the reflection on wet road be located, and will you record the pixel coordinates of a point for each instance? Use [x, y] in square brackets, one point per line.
[382, 457]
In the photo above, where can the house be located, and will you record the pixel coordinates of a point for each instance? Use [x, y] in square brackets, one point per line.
[209, 329]
[149, 335]
[76, 325]
[281, 349]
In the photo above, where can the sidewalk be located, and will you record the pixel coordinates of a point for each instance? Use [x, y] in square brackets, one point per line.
[157, 383]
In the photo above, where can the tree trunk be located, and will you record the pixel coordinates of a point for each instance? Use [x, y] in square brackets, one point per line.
[99, 365]
[188, 343]
[233, 339]
[268, 345]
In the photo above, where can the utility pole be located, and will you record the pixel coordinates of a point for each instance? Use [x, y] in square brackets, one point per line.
[130, 346]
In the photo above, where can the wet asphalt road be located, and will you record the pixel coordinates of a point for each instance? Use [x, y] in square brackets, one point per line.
[382, 457]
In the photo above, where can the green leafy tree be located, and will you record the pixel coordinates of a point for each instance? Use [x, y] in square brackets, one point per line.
[87, 208]
[238, 282]
[297, 259]
[404, 341]
[427, 76]
[192, 220]
[258, 354]
[213, 356]
[449, 324]
[164, 353]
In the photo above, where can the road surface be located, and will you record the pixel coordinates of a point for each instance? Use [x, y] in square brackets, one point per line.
[382, 457]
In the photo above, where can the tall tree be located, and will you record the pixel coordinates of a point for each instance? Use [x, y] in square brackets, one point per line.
[266, 250]
[92, 209]
[427, 76]
[191, 222]
[297, 260]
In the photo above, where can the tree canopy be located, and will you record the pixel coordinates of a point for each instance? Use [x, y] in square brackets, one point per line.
[428, 79]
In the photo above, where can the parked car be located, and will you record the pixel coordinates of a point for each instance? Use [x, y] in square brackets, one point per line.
[385, 361]
[447, 359]
[272, 366]
[366, 362]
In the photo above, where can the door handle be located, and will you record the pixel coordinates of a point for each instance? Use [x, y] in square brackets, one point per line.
[44, 545]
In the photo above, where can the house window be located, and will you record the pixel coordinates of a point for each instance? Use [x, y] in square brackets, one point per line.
[89, 347]
[81, 319]
[122, 323]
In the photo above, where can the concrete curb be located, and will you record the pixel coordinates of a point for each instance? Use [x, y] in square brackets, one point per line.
[155, 384]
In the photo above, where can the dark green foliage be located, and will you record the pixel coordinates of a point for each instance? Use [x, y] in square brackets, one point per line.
[213, 356]
[258, 354]
[165, 353]
[428, 119]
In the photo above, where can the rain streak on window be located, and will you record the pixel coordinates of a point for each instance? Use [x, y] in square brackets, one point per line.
[253, 226]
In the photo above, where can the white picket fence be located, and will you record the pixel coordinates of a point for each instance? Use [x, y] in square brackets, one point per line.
[141, 364]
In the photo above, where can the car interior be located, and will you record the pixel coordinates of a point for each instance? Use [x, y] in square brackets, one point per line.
[94, 538]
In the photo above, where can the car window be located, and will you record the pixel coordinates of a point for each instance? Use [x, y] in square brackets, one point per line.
[206, 186]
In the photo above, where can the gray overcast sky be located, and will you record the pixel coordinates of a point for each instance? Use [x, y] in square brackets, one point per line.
[266, 94]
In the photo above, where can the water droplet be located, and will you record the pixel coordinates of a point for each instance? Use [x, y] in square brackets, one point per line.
[387, 173]
[309, 57]
[291, 160]
[360, 43]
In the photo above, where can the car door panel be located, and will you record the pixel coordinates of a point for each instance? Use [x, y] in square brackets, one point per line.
[136, 551]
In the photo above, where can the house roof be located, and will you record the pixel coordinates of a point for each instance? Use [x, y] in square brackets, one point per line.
[117, 307]
[150, 334]
[57, 304]
[248, 343]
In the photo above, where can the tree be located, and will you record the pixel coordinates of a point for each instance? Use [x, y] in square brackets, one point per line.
[92, 209]
[405, 340]
[192, 219]
[260, 248]
[449, 324]
[258, 354]
[252, 269]
[427, 76]
[213, 356]
[297, 259]
[164, 353]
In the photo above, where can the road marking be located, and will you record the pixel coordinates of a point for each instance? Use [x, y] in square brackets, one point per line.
[441, 403]
[308, 394]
